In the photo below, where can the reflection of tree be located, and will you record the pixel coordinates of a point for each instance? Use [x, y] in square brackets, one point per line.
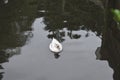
[14, 22]
[57, 34]
[69, 14]
[5, 54]
[73, 36]
[1, 75]
[110, 49]
[3, 59]
[16, 18]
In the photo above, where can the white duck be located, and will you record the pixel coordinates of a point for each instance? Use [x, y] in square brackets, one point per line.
[55, 46]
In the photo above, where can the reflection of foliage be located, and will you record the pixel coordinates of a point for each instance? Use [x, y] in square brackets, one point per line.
[73, 36]
[16, 18]
[110, 51]
[1, 75]
[7, 53]
[15, 28]
[3, 59]
[116, 15]
[110, 48]
[57, 34]
[69, 14]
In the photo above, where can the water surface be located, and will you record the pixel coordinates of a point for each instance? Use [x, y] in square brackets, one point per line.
[26, 35]
[77, 61]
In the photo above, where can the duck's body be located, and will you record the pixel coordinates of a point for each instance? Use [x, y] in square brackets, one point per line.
[55, 46]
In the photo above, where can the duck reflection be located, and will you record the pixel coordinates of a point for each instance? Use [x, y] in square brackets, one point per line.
[56, 55]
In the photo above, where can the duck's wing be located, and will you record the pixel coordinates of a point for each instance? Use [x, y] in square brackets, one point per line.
[54, 48]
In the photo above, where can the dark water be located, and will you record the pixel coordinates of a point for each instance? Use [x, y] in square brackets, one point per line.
[28, 26]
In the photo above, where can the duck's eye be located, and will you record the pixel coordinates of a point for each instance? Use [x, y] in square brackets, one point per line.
[57, 46]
